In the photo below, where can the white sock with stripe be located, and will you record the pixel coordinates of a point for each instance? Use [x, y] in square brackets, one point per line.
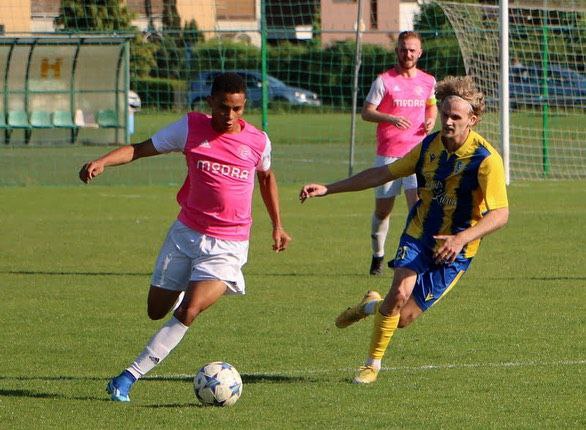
[159, 347]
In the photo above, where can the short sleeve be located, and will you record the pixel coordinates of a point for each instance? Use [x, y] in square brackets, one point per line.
[491, 177]
[172, 138]
[405, 166]
[377, 92]
[264, 163]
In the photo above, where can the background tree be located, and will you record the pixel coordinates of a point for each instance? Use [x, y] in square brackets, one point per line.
[107, 16]
[170, 53]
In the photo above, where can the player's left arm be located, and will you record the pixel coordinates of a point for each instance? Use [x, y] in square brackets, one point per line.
[270, 195]
[491, 178]
[369, 178]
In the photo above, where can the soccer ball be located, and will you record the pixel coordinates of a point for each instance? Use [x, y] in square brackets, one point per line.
[217, 384]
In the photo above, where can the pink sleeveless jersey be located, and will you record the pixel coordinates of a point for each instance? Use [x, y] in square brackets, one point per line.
[405, 97]
[216, 197]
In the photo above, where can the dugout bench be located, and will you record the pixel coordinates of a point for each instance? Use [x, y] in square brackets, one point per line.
[64, 88]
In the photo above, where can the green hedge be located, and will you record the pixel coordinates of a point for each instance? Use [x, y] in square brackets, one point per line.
[159, 93]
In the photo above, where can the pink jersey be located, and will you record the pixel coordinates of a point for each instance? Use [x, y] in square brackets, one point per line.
[216, 197]
[407, 97]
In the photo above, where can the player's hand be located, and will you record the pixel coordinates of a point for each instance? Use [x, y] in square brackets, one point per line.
[312, 190]
[281, 239]
[449, 249]
[400, 122]
[90, 170]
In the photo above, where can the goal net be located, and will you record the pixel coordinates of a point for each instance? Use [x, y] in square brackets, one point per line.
[547, 47]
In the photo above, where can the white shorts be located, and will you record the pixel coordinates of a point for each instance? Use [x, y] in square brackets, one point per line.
[187, 255]
[393, 188]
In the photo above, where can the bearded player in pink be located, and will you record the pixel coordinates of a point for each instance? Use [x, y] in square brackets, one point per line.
[402, 102]
[206, 247]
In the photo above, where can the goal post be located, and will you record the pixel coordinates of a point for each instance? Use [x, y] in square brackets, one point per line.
[504, 105]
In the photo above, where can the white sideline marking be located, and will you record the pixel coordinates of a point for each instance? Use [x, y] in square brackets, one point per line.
[497, 365]
[425, 367]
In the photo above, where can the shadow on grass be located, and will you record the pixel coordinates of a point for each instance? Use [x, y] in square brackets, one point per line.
[246, 378]
[65, 273]
[256, 378]
[52, 378]
[31, 394]
[174, 405]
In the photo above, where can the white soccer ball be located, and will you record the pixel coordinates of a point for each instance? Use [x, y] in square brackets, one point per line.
[217, 384]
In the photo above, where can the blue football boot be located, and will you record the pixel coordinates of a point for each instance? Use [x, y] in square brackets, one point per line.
[120, 386]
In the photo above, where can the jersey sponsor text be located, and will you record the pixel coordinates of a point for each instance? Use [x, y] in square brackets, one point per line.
[223, 169]
[409, 103]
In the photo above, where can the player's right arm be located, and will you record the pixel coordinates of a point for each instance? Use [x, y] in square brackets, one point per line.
[371, 114]
[370, 110]
[118, 156]
[368, 178]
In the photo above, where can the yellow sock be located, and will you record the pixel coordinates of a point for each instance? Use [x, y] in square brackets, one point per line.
[383, 330]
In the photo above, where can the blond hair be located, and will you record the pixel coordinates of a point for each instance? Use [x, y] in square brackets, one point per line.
[463, 87]
[404, 35]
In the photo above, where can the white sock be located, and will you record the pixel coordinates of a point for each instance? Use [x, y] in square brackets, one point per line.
[159, 347]
[378, 234]
[374, 363]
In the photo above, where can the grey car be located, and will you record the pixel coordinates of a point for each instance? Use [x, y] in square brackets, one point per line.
[278, 91]
[566, 88]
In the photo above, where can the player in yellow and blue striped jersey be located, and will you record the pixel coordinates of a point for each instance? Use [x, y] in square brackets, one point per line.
[461, 186]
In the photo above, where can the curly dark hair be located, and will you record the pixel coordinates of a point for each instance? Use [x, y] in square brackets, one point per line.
[229, 82]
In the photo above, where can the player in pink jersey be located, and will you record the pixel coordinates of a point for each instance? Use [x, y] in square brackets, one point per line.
[206, 247]
[402, 102]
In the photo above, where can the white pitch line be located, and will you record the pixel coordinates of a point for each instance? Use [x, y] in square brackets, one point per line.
[425, 367]
[497, 365]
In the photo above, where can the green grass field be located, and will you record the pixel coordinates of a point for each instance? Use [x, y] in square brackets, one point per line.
[505, 349]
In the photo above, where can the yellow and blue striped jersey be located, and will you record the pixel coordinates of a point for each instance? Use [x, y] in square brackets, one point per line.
[455, 188]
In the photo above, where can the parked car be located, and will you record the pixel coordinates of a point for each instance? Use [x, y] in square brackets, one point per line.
[565, 87]
[278, 91]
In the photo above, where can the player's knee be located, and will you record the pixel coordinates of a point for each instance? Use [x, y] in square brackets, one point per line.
[393, 303]
[405, 320]
[187, 314]
[400, 298]
[381, 214]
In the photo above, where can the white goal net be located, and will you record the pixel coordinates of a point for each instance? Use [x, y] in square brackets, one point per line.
[547, 80]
